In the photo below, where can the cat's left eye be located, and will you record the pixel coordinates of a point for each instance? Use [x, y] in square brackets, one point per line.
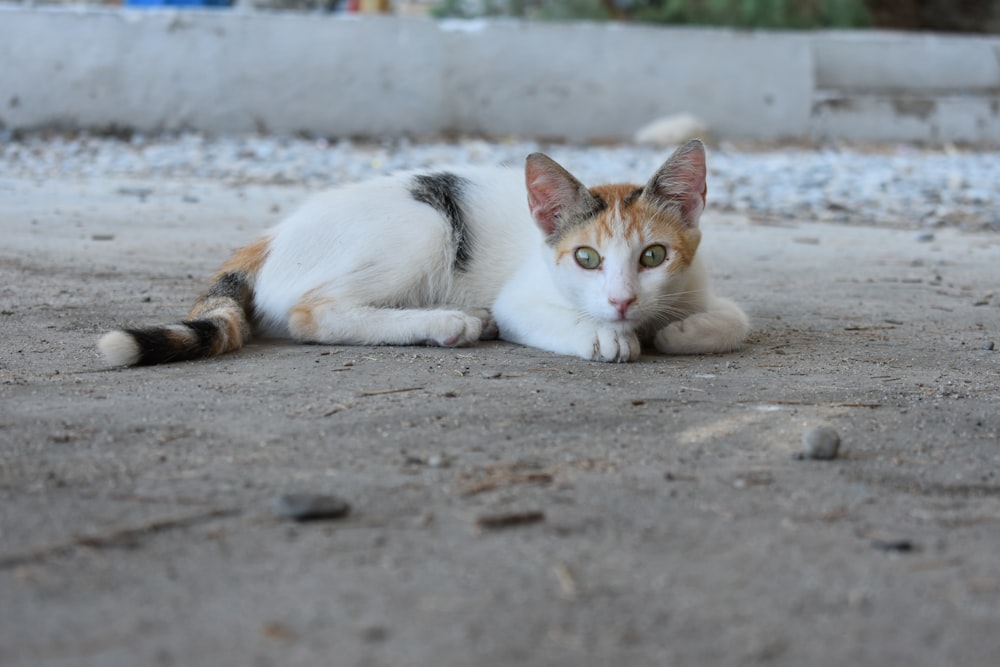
[652, 256]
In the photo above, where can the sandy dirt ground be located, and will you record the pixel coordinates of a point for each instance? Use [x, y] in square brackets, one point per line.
[509, 506]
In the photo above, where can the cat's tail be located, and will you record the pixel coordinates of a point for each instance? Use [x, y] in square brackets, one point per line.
[218, 323]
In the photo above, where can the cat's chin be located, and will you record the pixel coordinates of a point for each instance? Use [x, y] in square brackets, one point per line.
[627, 321]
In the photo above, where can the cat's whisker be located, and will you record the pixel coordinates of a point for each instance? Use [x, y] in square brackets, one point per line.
[665, 317]
[674, 295]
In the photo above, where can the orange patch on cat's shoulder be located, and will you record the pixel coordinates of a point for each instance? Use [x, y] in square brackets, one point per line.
[248, 259]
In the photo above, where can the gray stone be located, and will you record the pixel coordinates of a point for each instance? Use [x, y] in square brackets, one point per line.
[311, 506]
[821, 443]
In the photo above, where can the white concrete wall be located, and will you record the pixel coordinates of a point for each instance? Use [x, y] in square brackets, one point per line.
[226, 71]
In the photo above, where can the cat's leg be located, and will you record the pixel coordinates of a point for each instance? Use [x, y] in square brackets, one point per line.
[557, 328]
[721, 327]
[318, 319]
[490, 330]
[567, 332]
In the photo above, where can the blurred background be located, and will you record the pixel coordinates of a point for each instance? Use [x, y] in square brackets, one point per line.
[864, 111]
[964, 16]
[649, 71]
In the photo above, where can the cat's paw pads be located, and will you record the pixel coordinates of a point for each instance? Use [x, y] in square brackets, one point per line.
[457, 330]
[615, 345]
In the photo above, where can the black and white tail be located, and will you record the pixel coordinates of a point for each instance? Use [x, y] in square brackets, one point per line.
[218, 323]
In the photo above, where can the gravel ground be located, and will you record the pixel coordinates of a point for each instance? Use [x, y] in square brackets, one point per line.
[507, 506]
[900, 185]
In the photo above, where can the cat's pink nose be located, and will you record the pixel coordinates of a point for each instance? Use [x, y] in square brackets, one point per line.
[622, 304]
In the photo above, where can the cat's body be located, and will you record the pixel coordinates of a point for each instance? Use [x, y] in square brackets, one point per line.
[427, 257]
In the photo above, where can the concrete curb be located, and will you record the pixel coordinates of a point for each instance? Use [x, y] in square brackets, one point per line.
[236, 72]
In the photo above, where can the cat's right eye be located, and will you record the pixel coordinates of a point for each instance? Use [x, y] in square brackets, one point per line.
[587, 258]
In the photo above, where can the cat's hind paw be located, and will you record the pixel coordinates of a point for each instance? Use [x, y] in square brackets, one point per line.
[615, 345]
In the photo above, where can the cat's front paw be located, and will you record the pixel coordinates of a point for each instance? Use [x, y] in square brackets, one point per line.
[489, 330]
[457, 329]
[704, 333]
[614, 344]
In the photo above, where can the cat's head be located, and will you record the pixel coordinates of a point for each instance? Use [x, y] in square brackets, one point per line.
[618, 252]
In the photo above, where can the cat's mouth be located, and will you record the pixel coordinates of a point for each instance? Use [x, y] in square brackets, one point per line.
[631, 316]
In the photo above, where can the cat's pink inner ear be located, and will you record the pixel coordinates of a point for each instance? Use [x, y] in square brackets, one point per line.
[550, 189]
[682, 179]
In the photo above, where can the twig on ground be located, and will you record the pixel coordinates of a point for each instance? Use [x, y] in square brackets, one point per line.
[498, 521]
[116, 537]
[380, 392]
[502, 475]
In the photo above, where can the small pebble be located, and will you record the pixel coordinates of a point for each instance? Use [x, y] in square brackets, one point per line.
[988, 345]
[437, 461]
[141, 193]
[310, 506]
[924, 237]
[898, 546]
[374, 634]
[820, 442]
[500, 521]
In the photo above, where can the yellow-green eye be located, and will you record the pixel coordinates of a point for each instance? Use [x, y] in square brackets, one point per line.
[653, 256]
[586, 257]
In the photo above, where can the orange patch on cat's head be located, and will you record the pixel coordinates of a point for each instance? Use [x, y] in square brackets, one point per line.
[683, 239]
[631, 214]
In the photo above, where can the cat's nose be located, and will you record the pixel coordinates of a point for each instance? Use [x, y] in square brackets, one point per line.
[622, 304]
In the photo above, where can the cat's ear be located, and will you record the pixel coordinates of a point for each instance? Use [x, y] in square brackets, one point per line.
[554, 195]
[681, 181]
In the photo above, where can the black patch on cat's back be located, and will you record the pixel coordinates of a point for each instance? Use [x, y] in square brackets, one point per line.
[443, 192]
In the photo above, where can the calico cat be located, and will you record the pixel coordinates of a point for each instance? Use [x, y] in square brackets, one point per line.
[452, 257]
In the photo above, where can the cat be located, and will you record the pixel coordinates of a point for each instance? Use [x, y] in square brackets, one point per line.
[452, 257]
